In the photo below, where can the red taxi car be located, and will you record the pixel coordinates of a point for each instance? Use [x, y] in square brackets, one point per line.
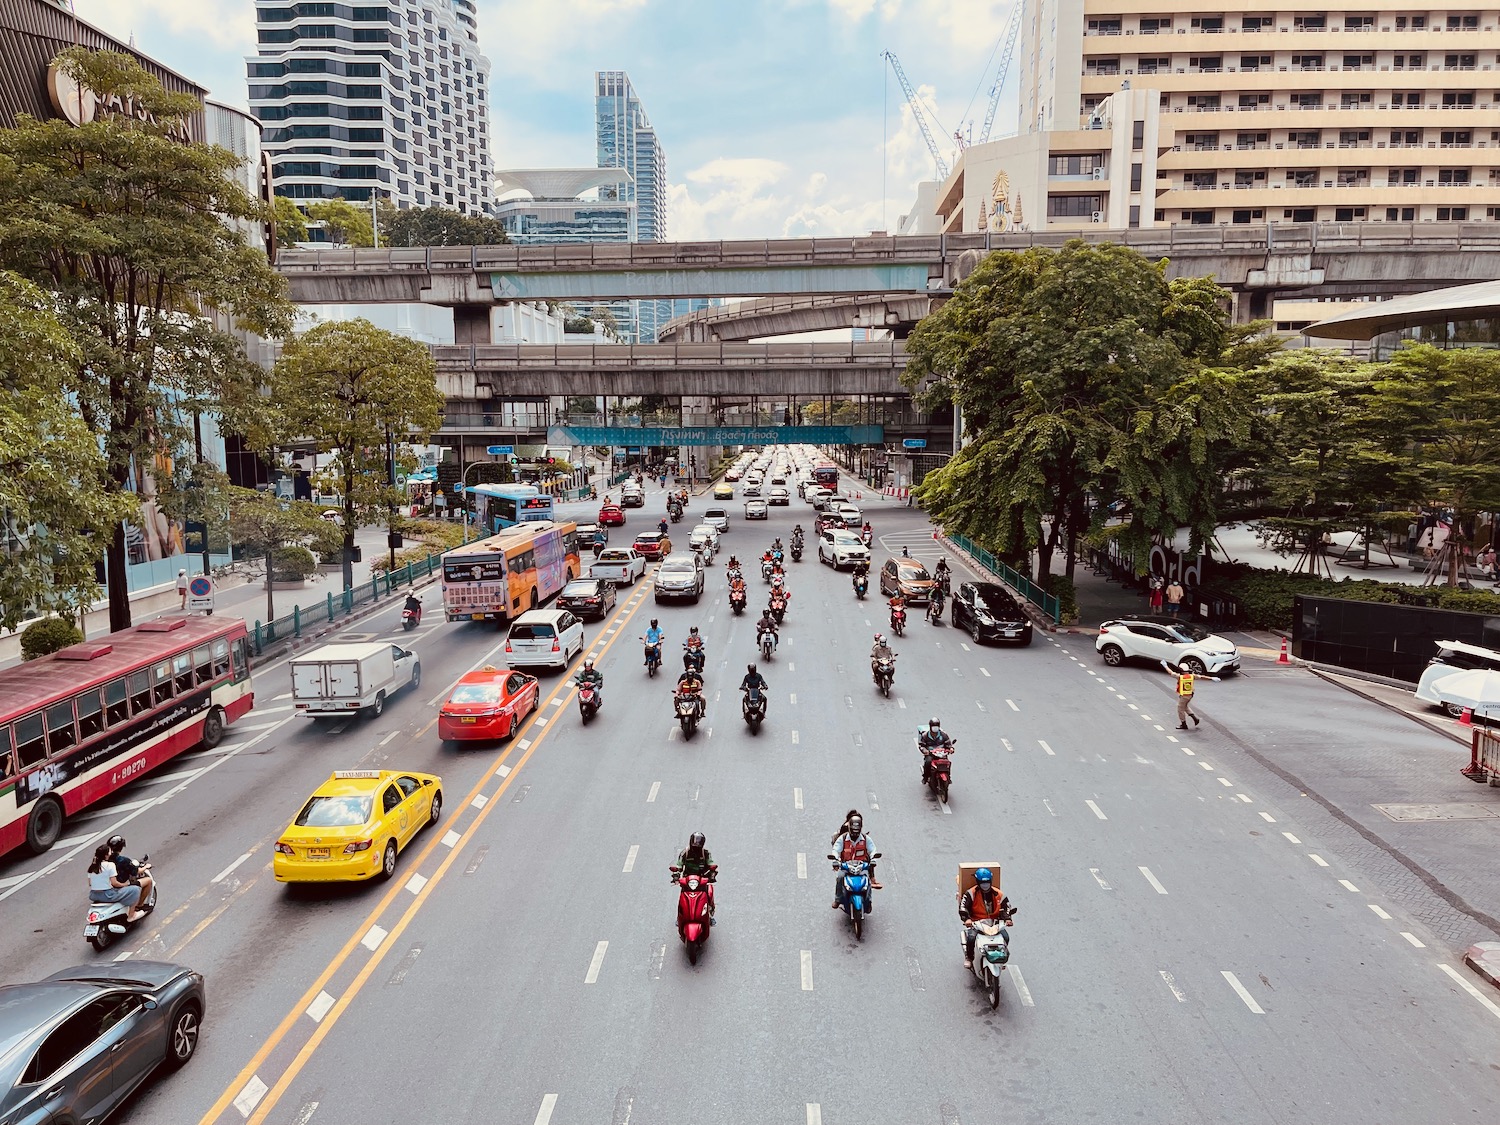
[488, 704]
[611, 515]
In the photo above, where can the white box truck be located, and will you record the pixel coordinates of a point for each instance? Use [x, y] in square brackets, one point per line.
[345, 679]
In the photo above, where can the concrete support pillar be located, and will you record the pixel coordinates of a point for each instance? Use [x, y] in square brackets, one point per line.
[471, 324]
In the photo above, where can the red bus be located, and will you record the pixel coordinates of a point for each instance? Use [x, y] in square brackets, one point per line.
[826, 474]
[80, 723]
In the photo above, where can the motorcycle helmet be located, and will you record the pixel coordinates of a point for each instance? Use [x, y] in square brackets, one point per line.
[693, 632]
[653, 623]
[695, 845]
[749, 669]
[933, 724]
[983, 876]
[117, 843]
[880, 638]
[588, 663]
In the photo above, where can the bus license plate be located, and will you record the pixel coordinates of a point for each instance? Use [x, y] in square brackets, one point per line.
[91, 931]
[476, 617]
[317, 853]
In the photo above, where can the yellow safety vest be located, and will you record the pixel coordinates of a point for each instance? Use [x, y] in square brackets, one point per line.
[1185, 683]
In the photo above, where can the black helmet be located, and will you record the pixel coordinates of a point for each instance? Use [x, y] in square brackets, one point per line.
[693, 631]
[653, 623]
[687, 661]
[749, 669]
[933, 722]
[117, 843]
[695, 844]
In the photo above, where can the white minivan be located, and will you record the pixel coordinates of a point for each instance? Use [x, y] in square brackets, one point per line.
[1453, 658]
[548, 638]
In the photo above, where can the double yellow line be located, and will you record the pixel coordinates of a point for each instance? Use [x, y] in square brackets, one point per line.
[276, 1091]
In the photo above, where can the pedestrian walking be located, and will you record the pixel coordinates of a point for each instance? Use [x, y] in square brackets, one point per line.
[182, 589]
[1174, 593]
[1154, 587]
[1186, 683]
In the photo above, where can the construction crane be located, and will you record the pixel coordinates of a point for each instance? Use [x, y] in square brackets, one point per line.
[919, 112]
[1012, 30]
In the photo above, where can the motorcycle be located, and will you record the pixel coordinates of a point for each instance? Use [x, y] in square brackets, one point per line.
[733, 573]
[765, 569]
[588, 702]
[737, 601]
[754, 707]
[411, 616]
[106, 920]
[939, 774]
[778, 609]
[866, 536]
[777, 558]
[767, 644]
[885, 674]
[796, 550]
[854, 895]
[653, 660]
[898, 621]
[991, 953]
[694, 657]
[861, 586]
[935, 608]
[676, 515]
[694, 914]
[686, 707]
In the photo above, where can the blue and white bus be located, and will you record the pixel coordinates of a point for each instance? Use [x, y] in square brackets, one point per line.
[498, 506]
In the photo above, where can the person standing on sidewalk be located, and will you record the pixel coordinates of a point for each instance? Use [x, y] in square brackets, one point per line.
[1186, 682]
[1175, 594]
[1154, 586]
[182, 589]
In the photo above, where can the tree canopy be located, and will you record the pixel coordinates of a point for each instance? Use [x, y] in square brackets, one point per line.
[291, 223]
[346, 388]
[138, 240]
[343, 222]
[438, 226]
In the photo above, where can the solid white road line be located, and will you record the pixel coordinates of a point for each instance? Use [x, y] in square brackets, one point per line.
[1291, 838]
[814, 1114]
[1172, 984]
[1413, 939]
[1153, 880]
[1319, 860]
[655, 789]
[1051, 753]
[390, 736]
[544, 1114]
[1379, 913]
[1021, 989]
[592, 976]
[796, 798]
[319, 1007]
[1348, 886]
[635, 850]
[1097, 811]
[1471, 990]
[1234, 983]
[802, 865]
[228, 871]
[807, 970]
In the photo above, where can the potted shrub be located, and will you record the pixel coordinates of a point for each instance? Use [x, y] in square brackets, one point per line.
[292, 566]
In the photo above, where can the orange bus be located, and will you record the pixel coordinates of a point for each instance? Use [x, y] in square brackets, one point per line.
[512, 571]
[80, 723]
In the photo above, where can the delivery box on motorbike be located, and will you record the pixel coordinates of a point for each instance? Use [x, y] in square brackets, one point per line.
[966, 876]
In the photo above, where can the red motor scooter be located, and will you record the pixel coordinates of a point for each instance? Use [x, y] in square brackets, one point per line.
[694, 909]
[411, 614]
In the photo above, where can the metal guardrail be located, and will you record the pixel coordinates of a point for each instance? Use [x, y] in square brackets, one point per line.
[1013, 578]
[289, 626]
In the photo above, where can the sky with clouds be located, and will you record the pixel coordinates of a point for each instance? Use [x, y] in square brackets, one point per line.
[779, 118]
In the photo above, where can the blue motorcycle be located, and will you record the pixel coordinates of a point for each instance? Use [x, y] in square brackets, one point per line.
[854, 890]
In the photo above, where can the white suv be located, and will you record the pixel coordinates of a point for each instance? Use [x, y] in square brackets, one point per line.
[1179, 643]
[841, 548]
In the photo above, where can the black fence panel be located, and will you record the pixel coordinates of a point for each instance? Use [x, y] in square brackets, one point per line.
[1386, 640]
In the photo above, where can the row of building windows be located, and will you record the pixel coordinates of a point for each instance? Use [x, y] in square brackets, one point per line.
[1339, 177]
[323, 132]
[1213, 140]
[1209, 216]
[298, 64]
[1240, 64]
[321, 109]
[304, 89]
[314, 31]
[1306, 21]
[324, 10]
[1319, 99]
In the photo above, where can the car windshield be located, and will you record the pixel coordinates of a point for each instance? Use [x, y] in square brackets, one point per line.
[913, 572]
[585, 588]
[335, 812]
[648, 540]
[476, 693]
[676, 565]
[716, 512]
[1186, 634]
[846, 539]
[531, 632]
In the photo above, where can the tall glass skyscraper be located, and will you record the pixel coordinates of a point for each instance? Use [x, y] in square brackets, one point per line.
[626, 139]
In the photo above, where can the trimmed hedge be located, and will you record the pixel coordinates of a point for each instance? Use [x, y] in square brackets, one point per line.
[48, 635]
[1265, 596]
[292, 564]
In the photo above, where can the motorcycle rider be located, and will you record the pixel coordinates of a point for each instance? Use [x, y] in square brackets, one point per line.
[932, 739]
[753, 680]
[797, 535]
[852, 842]
[690, 683]
[127, 868]
[591, 675]
[861, 573]
[693, 646]
[881, 650]
[733, 563]
[653, 639]
[942, 575]
[662, 527]
[767, 624]
[897, 604]
[413, 605]
[696, 859]
[982, 903]
[935, 603]
[105, 884]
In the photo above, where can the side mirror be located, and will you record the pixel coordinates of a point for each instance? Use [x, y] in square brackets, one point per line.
[876, 855]
[427, 781]
[832, 856]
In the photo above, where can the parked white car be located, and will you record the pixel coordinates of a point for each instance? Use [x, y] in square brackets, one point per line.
[1179, 643]
[1439, 686]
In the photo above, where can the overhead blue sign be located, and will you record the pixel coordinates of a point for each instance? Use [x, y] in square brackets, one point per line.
[499, 450]
[914, 443]
[716, 435]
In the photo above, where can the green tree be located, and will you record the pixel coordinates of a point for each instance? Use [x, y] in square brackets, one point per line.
[1082, 375]
[291, 223]
[345, 223]
[133, 235]
[438, 226]
[348, 388]
[54, 490]
[263, 524]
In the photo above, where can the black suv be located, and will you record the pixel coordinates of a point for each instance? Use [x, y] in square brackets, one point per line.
[987, 610]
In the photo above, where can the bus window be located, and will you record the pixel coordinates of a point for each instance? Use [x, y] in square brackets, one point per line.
[203, 664]
[221, 658]
[60, 731]
[31, 741]
[116, 704]
[140, 691]
[90, 713]
[5, 765]
[161, 682]
[182, 669]
[241, 659]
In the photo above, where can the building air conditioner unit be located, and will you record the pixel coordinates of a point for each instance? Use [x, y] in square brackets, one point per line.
[1099, 173]
[1098, 216]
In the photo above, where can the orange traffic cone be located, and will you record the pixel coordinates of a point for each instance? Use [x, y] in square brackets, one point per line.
[1283, 658]
[1467, 718]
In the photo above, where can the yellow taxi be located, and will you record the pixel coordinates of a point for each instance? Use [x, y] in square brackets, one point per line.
[355, 823]
[723, 492]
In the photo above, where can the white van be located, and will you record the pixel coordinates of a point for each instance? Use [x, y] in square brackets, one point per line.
[549, 638]
[1453, 657]
[340, 679]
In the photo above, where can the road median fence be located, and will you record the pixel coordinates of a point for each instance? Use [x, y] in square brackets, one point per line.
[291, 626]
[1013, 578]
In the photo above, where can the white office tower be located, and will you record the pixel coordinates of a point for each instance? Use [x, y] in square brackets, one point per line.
[389, 97]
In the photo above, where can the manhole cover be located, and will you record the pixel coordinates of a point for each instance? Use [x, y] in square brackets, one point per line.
[356, 637]
[1439, 812]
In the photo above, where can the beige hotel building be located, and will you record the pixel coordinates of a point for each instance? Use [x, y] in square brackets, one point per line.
[1138, 113]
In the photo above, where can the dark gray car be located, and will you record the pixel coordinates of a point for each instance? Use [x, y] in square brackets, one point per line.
[74, 1046]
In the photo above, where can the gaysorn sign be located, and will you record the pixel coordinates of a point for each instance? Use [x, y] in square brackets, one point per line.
[78, 105]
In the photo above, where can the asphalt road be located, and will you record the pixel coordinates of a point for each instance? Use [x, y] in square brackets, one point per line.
[1188, 948]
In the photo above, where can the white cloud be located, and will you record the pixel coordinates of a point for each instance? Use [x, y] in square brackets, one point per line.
[226, 23]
